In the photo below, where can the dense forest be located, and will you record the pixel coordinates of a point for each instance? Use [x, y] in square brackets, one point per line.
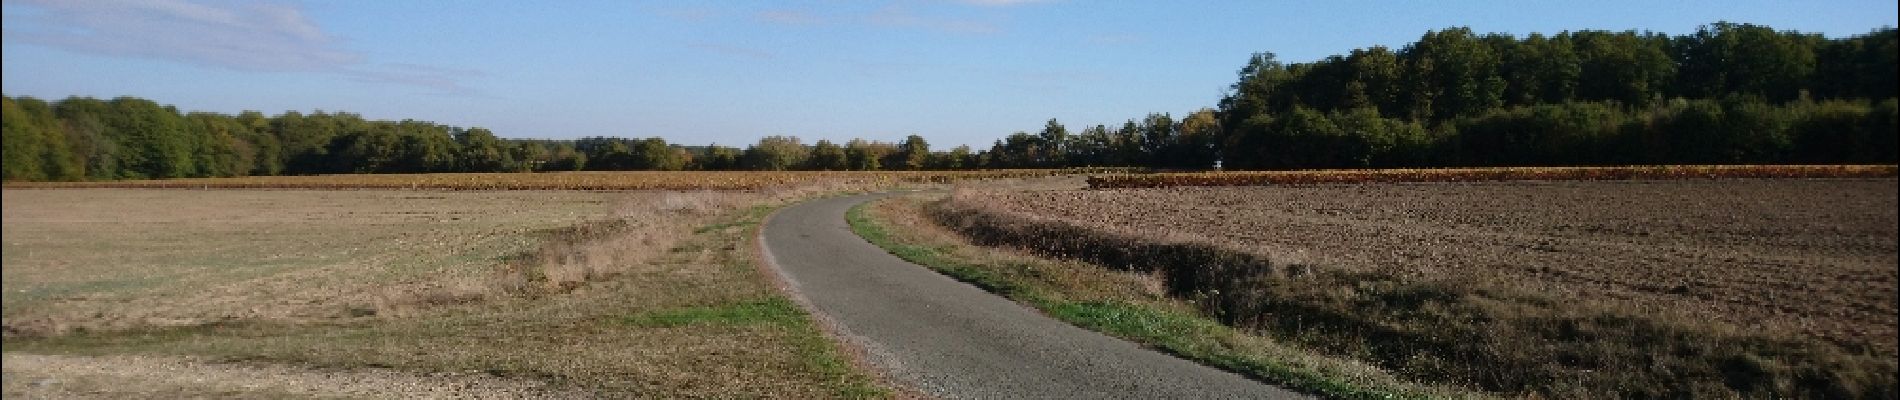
[1726, 94]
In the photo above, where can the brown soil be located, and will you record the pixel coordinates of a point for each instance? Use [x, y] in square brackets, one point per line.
[1813, 258]
[143, 377]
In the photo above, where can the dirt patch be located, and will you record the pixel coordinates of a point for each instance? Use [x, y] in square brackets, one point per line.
[133, 377]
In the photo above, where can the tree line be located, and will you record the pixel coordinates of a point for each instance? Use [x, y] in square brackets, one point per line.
[130, 138]
[1728, 93]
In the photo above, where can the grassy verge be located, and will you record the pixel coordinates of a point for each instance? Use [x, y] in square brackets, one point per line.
[1132, 306]
[695, 320]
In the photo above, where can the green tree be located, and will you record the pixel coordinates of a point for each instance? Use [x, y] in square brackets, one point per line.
[654, 154]
[828, 156]
[1729, 58]
[35, 145]
[85, 126]
[1159, 141]
[564, 157]
[1453, 73]
[1055, 145]
[224, 147]
[719, 158]
[913, 153]
[959, 157]
[1376, 76]
[1540, 69]
[1093, 147]
[267, 152]
[1197, 145]
[527, 155]
[865, 155]
[776, 153]
[1621, 66]
[480, 151]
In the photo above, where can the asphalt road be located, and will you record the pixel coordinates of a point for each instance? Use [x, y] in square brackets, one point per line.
[948, 339]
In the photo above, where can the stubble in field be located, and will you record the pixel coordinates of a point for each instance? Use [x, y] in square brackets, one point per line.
[118, 258]
[1809, 257]
[604, 294]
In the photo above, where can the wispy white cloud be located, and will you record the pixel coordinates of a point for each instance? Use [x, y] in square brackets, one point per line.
[248, 36]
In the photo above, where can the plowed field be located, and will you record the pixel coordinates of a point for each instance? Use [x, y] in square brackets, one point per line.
[1813, 258]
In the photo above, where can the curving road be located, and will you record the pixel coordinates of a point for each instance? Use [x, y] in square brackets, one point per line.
[948, 339]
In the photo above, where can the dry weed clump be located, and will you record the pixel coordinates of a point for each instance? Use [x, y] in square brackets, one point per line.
[1452, 329]
[637, 230]
[634, 232]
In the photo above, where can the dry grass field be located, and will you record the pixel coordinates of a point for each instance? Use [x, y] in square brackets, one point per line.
[590, 180]
[1628, 288]
[114, 258]
[497, 294]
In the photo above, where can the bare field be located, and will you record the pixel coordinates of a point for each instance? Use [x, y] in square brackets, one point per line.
[114, 258]
[1815, 256]
[460, 294]
[587, 180]
[1696, 288]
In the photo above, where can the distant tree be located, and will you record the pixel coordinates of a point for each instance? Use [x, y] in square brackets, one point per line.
[1374, 80]
[1054, 149]
[1127, 147]
[719, 158]
[606, 154]
[528, 155]
[913, 153]
[1159, 141]
[1019, 150]
[1197, 140]
[1624, 67]
[1093, 147]
[776, 153]
[865, 155]
[481, 151]
[959, 157]
[222, 145]
[1539, 70]
[1255, 94]
[1858, 67]
[1728, 58]
[1453, 72]
[828, 156]
[563, 157]
[653, 154]
[35, 145]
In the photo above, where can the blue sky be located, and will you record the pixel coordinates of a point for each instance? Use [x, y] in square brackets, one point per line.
[728, 72]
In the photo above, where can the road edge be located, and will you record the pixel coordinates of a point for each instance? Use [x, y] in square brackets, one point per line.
[854, 350]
